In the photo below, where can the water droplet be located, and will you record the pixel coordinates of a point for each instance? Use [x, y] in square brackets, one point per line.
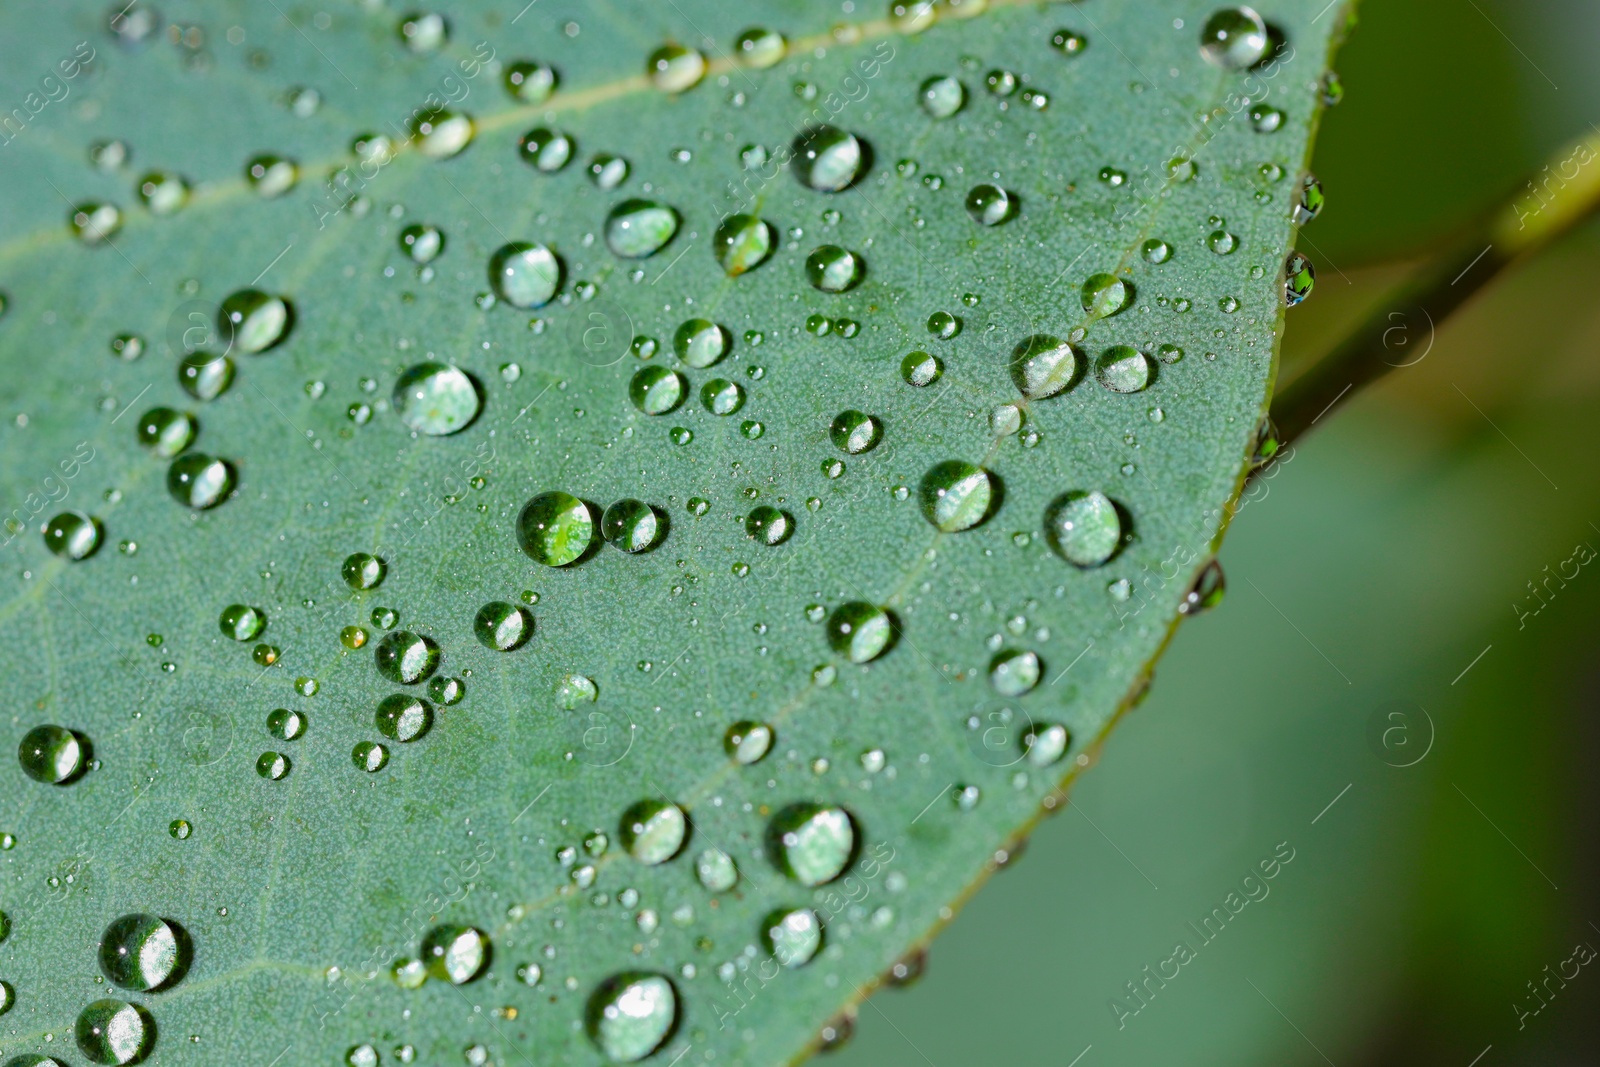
[436, 399]
[455, 954]
[271, 176]
[180, 829]
[1332, 89]
[403, 718]
[1222, 242]
[742, 243]
[200, 481]
[942, 96]
[1085, 527]
[1046, 743]
[793, 936]
[531, 82]
[636, 229]
[1043, 366]
[632, 526]
[830, 159]
[701, 343]
[94, 223]
[556, 529]
[1005, 420]
[674, 68]
[630, 1015]
[422, 242]
[166, 432]
[657, 390]
[73, 535]
[273, 766]
[1123, 369]
[369, 756]
[111, 155]
[363, 571]
[205, 376]
[285, 725]
[1113, 177]
[957, 496]
[769, 525]
[53, 755]
[424, 32]
[812, 843]
[912, 16]
[1013, 672]
[525, 275]
[1228, 304]
[1000, 82]
[446, 691]
[254, 320]
[722, 397]
[1069, 43]
[1105, 295]
[748, 742]
[833, 269]
[406, 658]
[1156, 250]
[1298, 279]
[1264, 118]
[681, 435]
[990, 205]
[143, 953]
[854, 432]
[652, 831]
[125, 346]
[943, 325]
[1311, 201]
[1234, 38]
[441, 133]
[115, 1032]
[163, 193]
[859, 631]
[920, 369]
[503, 627]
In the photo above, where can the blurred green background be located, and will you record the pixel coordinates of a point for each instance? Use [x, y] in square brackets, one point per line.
[1380, 570]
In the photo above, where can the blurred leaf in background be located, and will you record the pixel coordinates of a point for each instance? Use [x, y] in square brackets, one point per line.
[1376, 693]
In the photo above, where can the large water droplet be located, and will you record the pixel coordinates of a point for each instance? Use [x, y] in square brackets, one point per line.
[240, 622]
[525, 275]
[205, 376]
[812, 843]
[369, 756]
[632, 525]
[52, 754]
[769, 525]
[95, 223]
[166, 432]
[115, 1032]
[942, 96]
[1043, 366]
[1105, 295]
[1298, 279]
[674, 68]
[1234, 38]
[405, 657]
[1046, 743]
[143, 953]
[742, 243]
[285, 724]
[636, 229]
[792, 935]
[545, 149]
[362, 570]
[957, 496]
[855, 432]
[657, 390]
[1085, 527]
[760, 48]
[455, 954]
[200, 481]
[556, 529]
[531, 82]
[442, 133]
[271, 176]
[436, 399]
[422, 242]
[829, 158]
[1124, 369]
[990, 205]
[503, 627]
[73, 535]
[859, 631]
[423, 32]
[254, 320]
[722, 397]
[630, 1015]
[701, 343]
[747, 742]
[1311, 201]
[1014, 672]
[163, 193]
[920, 369]
[403, 718]
[833, 269]
[653, 831]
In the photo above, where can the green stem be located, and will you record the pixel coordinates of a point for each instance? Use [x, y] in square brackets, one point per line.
[1555, 200]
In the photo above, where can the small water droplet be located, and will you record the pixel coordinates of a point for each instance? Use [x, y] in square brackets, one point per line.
[830, 159]
[1234, 38]
[531, 82]
[674, 69]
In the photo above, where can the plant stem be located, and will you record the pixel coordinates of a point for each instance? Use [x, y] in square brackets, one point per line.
[1555, 200]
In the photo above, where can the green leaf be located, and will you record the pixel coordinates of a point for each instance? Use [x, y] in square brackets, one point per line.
[911, 437]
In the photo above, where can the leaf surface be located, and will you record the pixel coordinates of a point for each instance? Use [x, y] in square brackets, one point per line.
[955, 567]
